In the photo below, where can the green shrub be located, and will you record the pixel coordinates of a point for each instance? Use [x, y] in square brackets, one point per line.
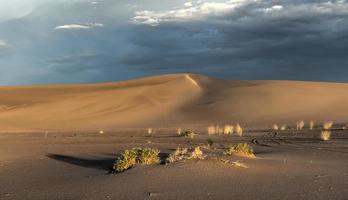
[130, 158]
[127, 160]
[149, 156]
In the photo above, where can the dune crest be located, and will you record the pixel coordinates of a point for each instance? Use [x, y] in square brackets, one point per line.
[192, 80]
[169, 100]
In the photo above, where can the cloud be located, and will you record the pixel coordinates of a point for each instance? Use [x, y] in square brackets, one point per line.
[235, 39]
[72, 26]
[3, 43]
[189, 12]
[75, 63]
[95, 2]
[188, 4]
[241, 8]
[261, 39]
[16, 8]
[273, 8]
[79, 26]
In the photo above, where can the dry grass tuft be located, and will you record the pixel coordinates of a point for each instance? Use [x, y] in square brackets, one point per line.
[237, 163]
[177, 155]
[130, 158]
[211, 130]
[228, 129]
[283, 128]
[239, 130]
[150, 131]
[311, 125]
[241, 149]
[179, 131]
[325, 135]
[327, 125]
[276, 127]
[219, 130]
[300, 125]
[184, 154]
[197, 154]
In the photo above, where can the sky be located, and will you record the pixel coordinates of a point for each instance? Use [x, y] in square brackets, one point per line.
[79, 41]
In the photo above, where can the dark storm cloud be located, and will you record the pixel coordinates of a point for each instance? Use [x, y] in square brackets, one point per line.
[81, 41]
[260, 39]
[79, 63]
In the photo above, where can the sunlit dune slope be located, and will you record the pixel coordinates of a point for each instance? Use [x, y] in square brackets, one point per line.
[168, 101]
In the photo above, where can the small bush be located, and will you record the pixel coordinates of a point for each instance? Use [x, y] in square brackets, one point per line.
[149, 156]
[127, 160]
[242, 149]
[184, 154]
[130, 158]
[325, 135]
[228, 129]
[177, 155]
[197, 154]
[327, 125]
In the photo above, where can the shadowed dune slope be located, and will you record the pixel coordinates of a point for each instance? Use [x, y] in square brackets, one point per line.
[169, 100]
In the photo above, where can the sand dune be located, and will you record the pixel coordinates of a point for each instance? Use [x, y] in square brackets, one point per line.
[169, 100]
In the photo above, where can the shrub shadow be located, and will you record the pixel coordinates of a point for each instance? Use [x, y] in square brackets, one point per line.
[104, 163]
[163, 158]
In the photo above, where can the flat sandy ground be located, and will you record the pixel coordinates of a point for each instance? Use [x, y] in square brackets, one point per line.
[290, 165]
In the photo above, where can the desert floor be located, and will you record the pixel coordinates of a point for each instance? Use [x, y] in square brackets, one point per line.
[290, 165]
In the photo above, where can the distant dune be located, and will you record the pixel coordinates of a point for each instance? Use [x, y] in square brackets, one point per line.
[169, 101]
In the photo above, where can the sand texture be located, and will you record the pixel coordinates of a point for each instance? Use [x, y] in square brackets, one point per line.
[169, 101]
